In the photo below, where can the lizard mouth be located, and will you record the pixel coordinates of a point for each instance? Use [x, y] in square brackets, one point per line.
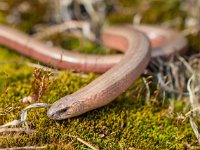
[56, 114]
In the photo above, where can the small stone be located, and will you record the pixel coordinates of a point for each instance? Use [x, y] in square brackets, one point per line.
[27, 99]
[102, 135]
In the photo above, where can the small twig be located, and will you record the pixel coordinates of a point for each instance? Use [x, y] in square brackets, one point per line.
[195, 128]
[191, 95]
[25, 148]
[166, 87]
[176, 78]
[8, 111]
[137, 19]
[14, 130]
[147, 89]
[39, 66]
[84, 142]
[68, 25]
[36, 105]
[87, 144]
[191, 111]
[187, 65]
[191, 30]
[22, 121]
[40, 83]
[12, 123]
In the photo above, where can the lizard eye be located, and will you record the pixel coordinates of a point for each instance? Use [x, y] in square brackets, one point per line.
[62, 111]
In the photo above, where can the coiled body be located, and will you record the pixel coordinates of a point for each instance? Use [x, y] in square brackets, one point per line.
[120, 70]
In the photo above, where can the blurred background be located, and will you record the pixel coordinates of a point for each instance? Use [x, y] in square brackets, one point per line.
[34, 16]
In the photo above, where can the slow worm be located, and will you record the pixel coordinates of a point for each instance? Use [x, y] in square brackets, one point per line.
[120, 70]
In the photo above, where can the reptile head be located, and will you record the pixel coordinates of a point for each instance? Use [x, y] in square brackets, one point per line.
[64, 108]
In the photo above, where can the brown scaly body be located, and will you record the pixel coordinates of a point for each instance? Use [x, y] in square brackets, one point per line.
[120, 70]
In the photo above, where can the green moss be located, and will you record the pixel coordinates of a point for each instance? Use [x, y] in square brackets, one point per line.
[194, 42]
[2, 18]
[167, 10]
[25, 13]
[120, 18]
[78, 45]
[128, 122]
[151, 12]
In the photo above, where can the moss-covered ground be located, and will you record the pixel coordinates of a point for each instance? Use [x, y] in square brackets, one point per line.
[127, 123]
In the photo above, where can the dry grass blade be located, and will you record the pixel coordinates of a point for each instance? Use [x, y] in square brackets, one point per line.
[147, 89]
[194, 105]
[68, 25]
[39, 66]
[191, 111]
[187, 65]
[191, 30]
[84, 142]
[164, 85]
[25, 148]
[87, 144]
[22, 121]
[195, 128]
[191, 95]
[15, 130]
